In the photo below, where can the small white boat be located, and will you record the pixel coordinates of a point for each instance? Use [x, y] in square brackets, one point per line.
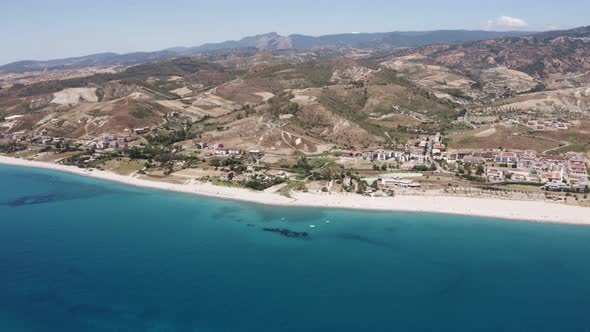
[328, 221]
[312, 226]
[282, 218]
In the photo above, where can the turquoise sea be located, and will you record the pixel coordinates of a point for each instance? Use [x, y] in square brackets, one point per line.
[78, 254]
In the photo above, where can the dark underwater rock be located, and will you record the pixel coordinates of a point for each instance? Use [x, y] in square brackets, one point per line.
[31, 200]
[286, 232]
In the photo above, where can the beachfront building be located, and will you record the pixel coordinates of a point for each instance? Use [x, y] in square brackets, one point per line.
[347, 181]
[556, 186]
[395, 182]
[494, 174]
[506, 158]
[474, 160]
[525, 165]
[520, 175]
[577, 172]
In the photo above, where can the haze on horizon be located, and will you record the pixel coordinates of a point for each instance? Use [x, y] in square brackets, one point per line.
[42, 30]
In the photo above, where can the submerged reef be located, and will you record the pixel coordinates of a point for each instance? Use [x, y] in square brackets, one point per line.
[286, 232]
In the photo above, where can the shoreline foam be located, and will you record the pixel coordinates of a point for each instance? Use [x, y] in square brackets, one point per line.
[536, 211]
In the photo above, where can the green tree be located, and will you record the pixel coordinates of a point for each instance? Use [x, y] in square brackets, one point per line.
[480, 170]
[135, 153]
[362, 187]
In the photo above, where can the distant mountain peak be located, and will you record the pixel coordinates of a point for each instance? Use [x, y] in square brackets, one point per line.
[270, 34]
[269, 42]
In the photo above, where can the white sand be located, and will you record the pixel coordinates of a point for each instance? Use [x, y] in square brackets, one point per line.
[504, 209]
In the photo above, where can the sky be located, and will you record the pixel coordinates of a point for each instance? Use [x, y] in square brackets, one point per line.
[50, 29]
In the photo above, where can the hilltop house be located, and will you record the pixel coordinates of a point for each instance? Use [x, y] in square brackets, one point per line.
[102, 144]
[229, 151]
[201, 145]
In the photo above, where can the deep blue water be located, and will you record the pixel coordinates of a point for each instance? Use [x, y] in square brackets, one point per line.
[78, 254]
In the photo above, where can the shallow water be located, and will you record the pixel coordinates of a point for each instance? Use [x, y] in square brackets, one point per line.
[78, 254]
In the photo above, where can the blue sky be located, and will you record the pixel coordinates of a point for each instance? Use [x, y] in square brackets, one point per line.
[48, 29]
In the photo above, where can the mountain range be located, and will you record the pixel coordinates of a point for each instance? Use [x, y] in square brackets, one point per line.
[269, 42]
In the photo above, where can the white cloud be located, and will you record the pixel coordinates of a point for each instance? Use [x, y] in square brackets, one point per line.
[511, 22]
[506, 23]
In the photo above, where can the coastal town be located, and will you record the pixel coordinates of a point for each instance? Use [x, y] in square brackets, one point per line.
[422, 165]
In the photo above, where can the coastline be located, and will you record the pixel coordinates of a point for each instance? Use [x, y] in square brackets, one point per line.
[535, 211]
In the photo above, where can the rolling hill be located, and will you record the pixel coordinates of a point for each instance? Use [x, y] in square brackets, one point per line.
[311, 100]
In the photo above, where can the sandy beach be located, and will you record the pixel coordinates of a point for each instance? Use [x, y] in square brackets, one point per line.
[536, 211]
